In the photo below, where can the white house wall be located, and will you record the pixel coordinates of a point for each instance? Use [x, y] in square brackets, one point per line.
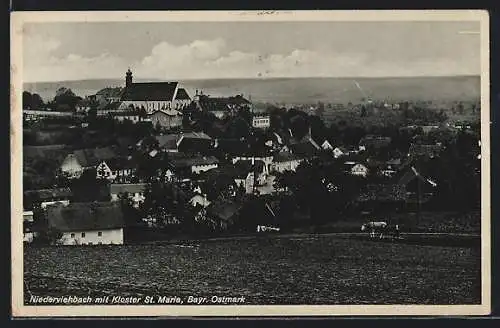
[64, 202]
[203, 168]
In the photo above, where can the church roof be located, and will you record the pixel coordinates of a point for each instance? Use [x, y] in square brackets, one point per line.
[152, 91]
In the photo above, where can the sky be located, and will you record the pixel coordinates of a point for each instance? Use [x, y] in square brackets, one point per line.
[206, 50]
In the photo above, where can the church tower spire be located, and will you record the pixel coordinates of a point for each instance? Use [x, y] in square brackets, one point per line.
[128, 78]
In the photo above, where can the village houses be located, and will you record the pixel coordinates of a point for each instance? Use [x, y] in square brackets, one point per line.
[80, 160]
[46, 197]
[222, 107]
[261, 121]
[285, 161]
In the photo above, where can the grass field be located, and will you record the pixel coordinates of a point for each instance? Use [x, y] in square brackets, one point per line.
[286, 270]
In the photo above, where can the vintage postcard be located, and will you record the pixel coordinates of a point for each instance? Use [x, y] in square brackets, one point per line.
[250, 163]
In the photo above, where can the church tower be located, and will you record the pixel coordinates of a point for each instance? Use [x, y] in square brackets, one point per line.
[128, 78]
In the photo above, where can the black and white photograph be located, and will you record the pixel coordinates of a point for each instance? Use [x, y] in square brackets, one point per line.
[250, 163]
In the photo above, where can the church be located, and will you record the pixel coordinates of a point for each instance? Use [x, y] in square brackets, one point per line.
[153, 96]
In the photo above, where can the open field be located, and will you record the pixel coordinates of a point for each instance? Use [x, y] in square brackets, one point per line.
[308, 269]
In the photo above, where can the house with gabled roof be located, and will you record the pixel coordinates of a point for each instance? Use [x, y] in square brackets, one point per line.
[220, 215]
[306, 148]
[46, 197]
[285, 161]
[326, 145]
[194, 142]
[166, 118]
[339, 152]
[87, 223]
[82, 159]
[222, 106]
[117, 169]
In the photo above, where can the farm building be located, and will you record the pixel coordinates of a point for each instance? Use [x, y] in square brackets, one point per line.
[82, 159]
[87, 223]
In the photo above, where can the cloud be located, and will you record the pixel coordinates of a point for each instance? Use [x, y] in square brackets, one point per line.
[210, 59]
[202, 59]
[40, 63]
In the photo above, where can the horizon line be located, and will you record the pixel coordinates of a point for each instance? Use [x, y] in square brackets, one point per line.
[267, 78]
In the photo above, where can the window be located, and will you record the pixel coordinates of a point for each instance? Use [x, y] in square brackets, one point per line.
[83, 234]
[99, 233]
[72, 235]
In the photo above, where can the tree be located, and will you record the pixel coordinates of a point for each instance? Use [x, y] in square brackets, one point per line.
[50, 236]
[65, 100]
[164, 201]
[32, 101]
